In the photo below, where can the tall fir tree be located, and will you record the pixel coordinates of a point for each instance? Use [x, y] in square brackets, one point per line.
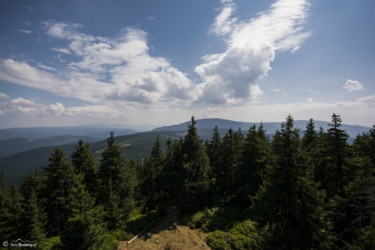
[172, 175]
[117, 183]
[152, 184]
[214, 150]
[34, 218]
[195, 170]
[256, 157]
[332, 169]
[231, 160]
[84, 228]
[84, 163]
[59, 179]
[288, 203]
[10, 211]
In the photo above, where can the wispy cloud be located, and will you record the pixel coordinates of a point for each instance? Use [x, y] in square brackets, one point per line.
[3, 96]
[352, 85]
[251, 47]
[25, 31]
[61, 50]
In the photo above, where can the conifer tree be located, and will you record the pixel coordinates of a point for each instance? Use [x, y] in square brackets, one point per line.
[59, 179]
[118, 180]
[84, 228]
[195, 170]
[172, 174]
[10, 211]
[34, 218]
[231, 161]
[332, 169]
[153, 168]
[256, 157]
[310, 135]
[214, 152]
[288, 203]
[84, 163]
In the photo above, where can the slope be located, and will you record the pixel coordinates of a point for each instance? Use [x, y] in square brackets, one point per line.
[165, 237]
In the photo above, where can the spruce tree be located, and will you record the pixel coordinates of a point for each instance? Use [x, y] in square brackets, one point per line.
[117, 179]
[310, 135]
[10, 211]
[152, 183]
[34, 218]
[332, 168]
[172, 175]
[84, 163]
[59, 179]
[227, 180]
[288, 203]
[195, 170]
[256, 157]
[214, 152]
[84, 228]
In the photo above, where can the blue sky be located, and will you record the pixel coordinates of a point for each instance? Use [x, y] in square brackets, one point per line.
[143, 63]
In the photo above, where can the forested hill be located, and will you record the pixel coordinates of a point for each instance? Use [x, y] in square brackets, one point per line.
[270, 127]
[21, 156]
[243, 189]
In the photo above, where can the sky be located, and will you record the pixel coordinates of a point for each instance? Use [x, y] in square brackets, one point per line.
[143, 64]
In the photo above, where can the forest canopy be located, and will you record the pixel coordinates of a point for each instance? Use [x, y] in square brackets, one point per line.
[296, 189]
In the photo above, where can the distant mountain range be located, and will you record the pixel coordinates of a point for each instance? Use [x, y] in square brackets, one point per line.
[45, 132]
[21, 156]
[271, 127]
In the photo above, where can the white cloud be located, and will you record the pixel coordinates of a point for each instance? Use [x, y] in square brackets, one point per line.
[352, 85]
[224, 23]
[118, 76]
[62, 50]
[3, 96]
[251, 47]
[25, 31]
[42, 66]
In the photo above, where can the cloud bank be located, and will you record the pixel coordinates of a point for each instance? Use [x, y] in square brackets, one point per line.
[121, 70]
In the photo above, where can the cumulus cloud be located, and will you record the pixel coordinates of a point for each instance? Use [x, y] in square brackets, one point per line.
[117, 73]
[352, 85]
[108, 69]
[251, 47]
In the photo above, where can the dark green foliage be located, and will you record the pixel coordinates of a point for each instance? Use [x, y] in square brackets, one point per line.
[261, 193]
[172, 173]
[59, 180]
[84, 228]
[34, 219]
[195, 171]
[152, 183]
[10, 211]
[84, 163]
[332, 171]
[227, 180]
[256, 157]
[117, 183]
[288, 202]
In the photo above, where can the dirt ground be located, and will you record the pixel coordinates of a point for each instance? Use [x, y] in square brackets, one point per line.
[165, 237]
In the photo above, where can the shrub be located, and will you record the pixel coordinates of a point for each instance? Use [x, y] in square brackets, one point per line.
[218, 240]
